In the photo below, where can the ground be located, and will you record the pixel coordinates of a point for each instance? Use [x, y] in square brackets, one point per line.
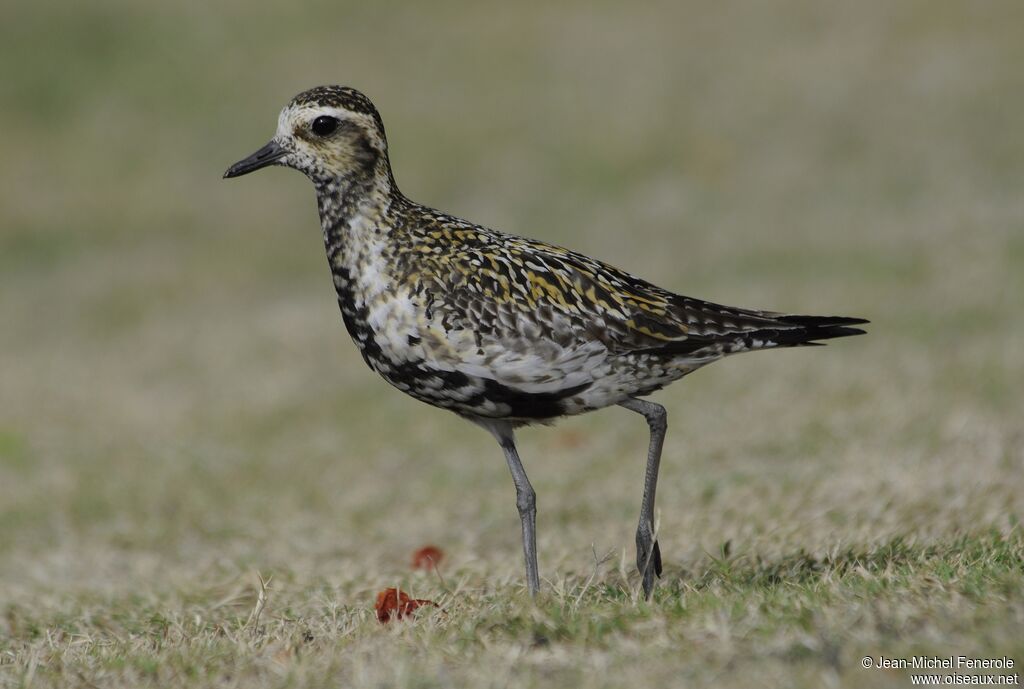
[181, 412]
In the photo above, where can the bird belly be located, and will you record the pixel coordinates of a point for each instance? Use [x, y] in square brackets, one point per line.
[628, 376]
[524, 379]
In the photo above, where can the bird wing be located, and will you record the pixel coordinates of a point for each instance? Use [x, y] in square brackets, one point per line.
[543, 319]
[623, 312]
[632, 316]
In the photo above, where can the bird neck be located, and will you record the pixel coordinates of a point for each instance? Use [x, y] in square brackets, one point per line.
[354, 212]
[343, 199]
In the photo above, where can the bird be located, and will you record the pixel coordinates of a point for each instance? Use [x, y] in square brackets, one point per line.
[502, 330]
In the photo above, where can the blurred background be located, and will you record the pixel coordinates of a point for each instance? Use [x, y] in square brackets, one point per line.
[179, 401]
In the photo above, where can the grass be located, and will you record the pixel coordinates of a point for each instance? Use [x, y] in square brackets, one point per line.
[181, 412]
[779, 619]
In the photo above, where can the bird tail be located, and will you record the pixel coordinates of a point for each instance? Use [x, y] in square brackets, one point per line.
[807, 333]
[757, 330]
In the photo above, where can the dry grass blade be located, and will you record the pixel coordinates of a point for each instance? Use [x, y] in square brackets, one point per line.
[262, 596]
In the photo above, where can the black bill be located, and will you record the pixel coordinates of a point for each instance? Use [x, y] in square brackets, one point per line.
[268, 155]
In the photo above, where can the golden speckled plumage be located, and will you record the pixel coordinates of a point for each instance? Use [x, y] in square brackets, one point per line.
[503, 318]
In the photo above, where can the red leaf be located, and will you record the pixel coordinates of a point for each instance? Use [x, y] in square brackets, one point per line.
[395, 604]
[428, 557]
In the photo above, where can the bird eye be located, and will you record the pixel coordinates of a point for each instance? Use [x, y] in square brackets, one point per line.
[324, 125]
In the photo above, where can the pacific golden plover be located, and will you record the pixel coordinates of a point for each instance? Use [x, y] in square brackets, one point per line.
[502, 330]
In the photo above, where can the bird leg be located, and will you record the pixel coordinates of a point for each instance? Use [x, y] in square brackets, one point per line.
[648, 554]
[526, 501]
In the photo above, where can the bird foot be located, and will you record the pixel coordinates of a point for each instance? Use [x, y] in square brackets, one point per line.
[648, 561]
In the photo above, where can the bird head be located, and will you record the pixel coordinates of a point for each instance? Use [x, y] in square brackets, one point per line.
[327, 133]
